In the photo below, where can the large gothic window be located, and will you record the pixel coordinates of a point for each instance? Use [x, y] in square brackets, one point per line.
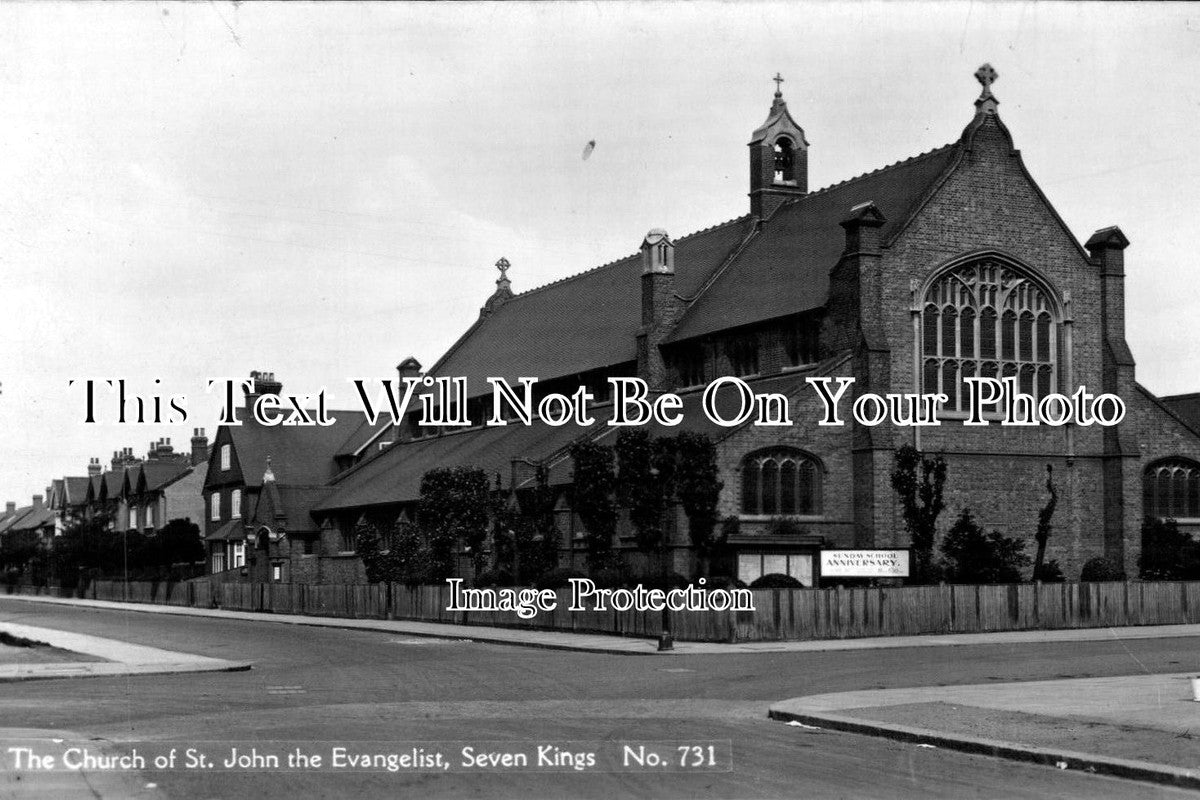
[1171, 489]
[781, 481]
[987, 319]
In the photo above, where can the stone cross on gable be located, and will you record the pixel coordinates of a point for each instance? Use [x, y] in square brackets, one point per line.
[503, 266]
[986, 75]
[778, 84]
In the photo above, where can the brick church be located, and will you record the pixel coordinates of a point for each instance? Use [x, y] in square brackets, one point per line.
[945, 265]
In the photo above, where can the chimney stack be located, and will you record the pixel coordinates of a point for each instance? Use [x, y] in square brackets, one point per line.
[264, 383]
[199, 446]
[94, 467]
[10, 507]
[661, 307]
[37, 502]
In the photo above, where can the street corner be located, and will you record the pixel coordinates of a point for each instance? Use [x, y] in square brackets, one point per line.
[1136, 727]
[75, 655]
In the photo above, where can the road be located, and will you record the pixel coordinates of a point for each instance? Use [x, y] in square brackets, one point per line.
[324, 685]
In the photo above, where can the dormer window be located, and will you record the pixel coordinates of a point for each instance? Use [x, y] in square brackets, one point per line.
[784, 161]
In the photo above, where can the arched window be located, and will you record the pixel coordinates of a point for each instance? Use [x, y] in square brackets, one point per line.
[1171, 489]
[988, 319]
[781, 481]
[784, 161]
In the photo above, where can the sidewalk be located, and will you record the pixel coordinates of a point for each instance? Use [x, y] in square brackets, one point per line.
[600, 643]
[1144, 727]
[116, 658]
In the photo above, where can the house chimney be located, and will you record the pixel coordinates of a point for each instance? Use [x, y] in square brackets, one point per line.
[199, 446]
[37, 502]
[660, 306]
[264, 383]
[10, 507]
[94, 467]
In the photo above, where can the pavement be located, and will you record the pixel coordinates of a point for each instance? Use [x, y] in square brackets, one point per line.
[618, 645]
[117, 658]
[1145, 727]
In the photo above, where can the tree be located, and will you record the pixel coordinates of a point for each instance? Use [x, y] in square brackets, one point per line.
[1168, 554]
[395, 554]
[179, 543]
[593, 484]
[971, 556]
[699, 492]
[645, 483]
[919, 482]
[453, 506]
[1044, 527]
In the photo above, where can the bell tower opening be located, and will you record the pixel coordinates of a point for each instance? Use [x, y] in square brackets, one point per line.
[778, 159]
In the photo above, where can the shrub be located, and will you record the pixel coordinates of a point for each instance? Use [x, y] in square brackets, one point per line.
[776, 580]
[972, 556]
[1168, 554]
[1050, 572]
[1101, 569]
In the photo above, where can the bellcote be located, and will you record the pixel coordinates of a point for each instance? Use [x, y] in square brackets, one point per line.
[778, 159]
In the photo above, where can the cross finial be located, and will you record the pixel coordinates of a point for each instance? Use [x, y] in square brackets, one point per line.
[986, 75]
[503, 266]
[778, 81]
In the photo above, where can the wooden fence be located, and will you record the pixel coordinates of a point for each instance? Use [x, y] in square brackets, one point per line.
[780, 614]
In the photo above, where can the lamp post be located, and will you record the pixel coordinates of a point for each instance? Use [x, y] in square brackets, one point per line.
[666, 641]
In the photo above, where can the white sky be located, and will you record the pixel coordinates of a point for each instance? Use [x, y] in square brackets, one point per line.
[191, 190]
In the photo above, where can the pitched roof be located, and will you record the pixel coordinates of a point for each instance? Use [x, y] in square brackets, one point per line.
[1186, 406]
[8, 522]
[785, 268]
[580, 323]
[75, 489]
[394, 476]
[300, 454]
[291, 505]
[732, 273]
[33, 519]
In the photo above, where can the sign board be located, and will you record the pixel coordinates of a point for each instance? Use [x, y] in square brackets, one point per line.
[865, 563]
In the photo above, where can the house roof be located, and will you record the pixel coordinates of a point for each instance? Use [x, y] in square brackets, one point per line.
[230, 531]
[75, 490]
[289, 505]
[301, 455]
[32, 520]
[580, 323]
[157, 474]
[8, 522]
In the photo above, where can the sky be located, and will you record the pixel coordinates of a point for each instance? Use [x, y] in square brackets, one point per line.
[198, 190]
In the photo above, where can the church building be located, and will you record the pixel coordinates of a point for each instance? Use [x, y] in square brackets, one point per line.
[943, 266]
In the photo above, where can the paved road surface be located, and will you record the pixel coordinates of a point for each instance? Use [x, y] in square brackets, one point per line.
[328, 685]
